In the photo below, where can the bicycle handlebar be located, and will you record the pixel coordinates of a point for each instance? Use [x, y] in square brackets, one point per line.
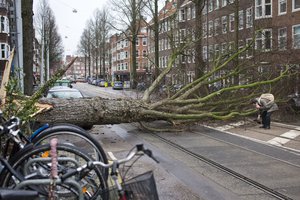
[139, 148]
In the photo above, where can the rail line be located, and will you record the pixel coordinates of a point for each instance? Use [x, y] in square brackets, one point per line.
[235, 174]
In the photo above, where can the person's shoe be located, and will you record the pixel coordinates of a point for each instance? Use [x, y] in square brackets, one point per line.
[268, 127]
[262, 127]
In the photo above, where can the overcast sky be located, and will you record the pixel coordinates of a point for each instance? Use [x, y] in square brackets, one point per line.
[71, 24]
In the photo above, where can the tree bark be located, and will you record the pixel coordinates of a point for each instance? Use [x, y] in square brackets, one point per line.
[27, 14]
[93, 111]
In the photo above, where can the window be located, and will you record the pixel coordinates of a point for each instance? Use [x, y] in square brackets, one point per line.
[224, 48]
[182, 15]
[224, 3]
[281, 7]
[4, 24]
[259, 41]
[217, 51]
[210, 5]
[204, 52]
[210, 28]
[144, 41]
[137, 53]
[249, 18]
[282, 39]
[231, 22]
[193, 11]
[264, 40]
[204, 31]
[241, 19]
[224, 24]
[296, 5]
[241, 46]
[137, 41]
[188, 13]
[217, 24]
[267, 39]
[217, 4]
[144, 53]
[183, 58]
[296, 36]
[182, 35]
[189, 56]
[210, 52]
[249, 51]
[263, 8]
[4, 51]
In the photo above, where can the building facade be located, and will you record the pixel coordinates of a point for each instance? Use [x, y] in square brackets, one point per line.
[78, 69]
[267, 30]
[4, 35]
[121, 61]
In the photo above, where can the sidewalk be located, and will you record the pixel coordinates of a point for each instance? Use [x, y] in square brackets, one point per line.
[284, 135]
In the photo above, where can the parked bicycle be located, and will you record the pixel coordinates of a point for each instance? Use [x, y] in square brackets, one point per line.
[141, 187]
[79, 180]
[66, 133]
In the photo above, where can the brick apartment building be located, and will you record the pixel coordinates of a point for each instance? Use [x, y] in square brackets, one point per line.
[78, 69]
[274, 25]
[4, 35]
[121, 56]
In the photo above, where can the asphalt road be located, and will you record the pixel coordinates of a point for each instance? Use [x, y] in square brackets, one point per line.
[181, 176]
[240, 146]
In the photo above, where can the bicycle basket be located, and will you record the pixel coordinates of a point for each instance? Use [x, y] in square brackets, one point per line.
[141, 187]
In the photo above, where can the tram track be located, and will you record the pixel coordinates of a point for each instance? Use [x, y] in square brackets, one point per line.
[221, 167]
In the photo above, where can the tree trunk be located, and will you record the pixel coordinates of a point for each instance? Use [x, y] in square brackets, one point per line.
[27, 14]
[93, 111]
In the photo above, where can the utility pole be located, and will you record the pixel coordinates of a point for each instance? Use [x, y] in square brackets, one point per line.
[19, 43]
[48, 67]
[42, 56]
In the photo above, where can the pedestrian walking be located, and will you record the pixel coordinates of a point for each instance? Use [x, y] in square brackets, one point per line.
[266, 105]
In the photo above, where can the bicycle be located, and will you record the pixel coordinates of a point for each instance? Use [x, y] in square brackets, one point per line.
[141, 187]
[66, 133]
[30, 170]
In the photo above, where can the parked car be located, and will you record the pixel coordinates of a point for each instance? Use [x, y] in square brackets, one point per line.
[118, 85]
[102, 83]
[63, 92]
[141, 86]
[81, 79]
[177, 87]
[90, 80]
[63, 82]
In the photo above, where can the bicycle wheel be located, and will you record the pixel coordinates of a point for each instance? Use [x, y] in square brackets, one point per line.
[34, 163]
[72, 134]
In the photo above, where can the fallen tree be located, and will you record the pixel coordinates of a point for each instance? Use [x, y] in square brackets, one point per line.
[185, 105]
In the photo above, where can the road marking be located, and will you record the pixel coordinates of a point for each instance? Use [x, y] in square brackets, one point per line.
[284, 138]
[230, 126]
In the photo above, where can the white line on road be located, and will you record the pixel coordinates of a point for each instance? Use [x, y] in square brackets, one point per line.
[230, 126]
[284, 138]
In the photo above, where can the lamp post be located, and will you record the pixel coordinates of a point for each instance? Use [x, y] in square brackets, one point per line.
[42, 56]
